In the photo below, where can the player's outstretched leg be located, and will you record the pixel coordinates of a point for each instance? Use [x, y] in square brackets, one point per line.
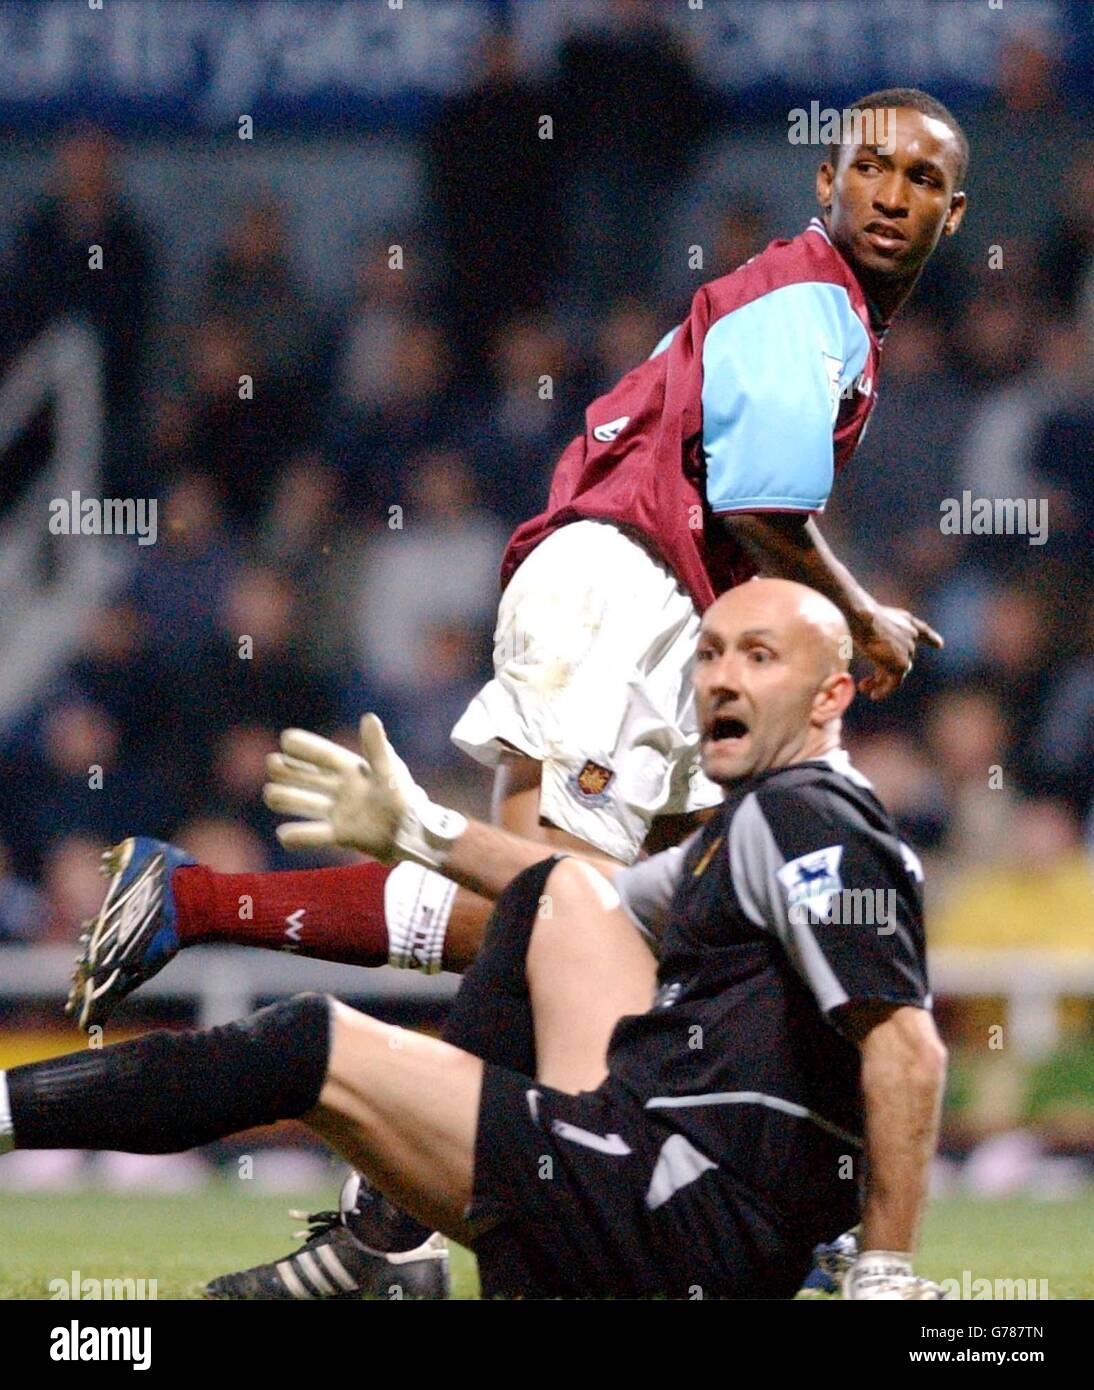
[166, 1092]
[402, 1107]
[135, 932]
[159, 901]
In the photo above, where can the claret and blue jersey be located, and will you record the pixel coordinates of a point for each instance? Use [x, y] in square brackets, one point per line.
[753, 403]
[776, 370]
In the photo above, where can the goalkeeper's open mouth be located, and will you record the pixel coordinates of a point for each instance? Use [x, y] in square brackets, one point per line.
[725, 731]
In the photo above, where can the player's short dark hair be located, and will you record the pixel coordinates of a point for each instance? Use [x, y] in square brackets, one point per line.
[915, 100]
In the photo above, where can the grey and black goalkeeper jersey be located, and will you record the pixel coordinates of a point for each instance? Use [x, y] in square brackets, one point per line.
[796, 899]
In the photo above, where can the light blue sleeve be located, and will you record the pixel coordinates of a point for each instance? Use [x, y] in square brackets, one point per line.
[664, 342]
[773, 372]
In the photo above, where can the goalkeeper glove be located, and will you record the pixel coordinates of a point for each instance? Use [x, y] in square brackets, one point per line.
[369, 802]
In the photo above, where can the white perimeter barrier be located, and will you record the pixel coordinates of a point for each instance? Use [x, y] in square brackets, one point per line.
[224, 983]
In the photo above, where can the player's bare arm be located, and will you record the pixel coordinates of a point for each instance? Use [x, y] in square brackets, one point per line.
[789, 545]
[903, 1075]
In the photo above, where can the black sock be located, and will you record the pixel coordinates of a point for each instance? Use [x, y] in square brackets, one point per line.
[172, 1091]
[376, 1221]
[491, 1015]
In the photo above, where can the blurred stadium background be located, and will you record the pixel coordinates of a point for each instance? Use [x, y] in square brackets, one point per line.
[426, 294]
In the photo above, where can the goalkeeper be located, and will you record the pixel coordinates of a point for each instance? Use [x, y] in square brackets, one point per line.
[688, 1128]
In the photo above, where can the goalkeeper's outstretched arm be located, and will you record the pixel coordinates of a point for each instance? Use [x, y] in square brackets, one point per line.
[371, 803]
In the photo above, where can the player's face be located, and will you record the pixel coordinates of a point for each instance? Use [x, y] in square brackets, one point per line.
[888, 204]
[755, 682]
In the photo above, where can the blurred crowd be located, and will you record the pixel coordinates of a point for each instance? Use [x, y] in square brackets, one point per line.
[329, 536]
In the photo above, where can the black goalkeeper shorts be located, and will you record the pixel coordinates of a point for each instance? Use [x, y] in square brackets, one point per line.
[591, 1196]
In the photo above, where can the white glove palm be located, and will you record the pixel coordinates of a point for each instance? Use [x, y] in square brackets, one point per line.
[370, 802]
[886, 1274]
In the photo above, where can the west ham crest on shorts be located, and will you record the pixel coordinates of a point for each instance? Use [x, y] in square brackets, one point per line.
[591, 783]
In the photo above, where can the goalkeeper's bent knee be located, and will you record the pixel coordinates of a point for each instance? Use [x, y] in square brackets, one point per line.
[172, 1091]
[491, 1016]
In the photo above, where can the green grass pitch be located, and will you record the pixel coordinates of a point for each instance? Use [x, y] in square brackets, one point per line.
[183, 1241]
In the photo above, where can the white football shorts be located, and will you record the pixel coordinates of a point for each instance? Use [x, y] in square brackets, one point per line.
[593, 654]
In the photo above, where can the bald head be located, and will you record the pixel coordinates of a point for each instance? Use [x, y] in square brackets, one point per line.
[801, 616]
[771, 677]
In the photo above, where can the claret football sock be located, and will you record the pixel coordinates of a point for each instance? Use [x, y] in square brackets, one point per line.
[172, 1091]
[363, 914]
[331, 914]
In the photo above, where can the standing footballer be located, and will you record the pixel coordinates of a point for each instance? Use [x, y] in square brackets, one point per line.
[705, 465]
